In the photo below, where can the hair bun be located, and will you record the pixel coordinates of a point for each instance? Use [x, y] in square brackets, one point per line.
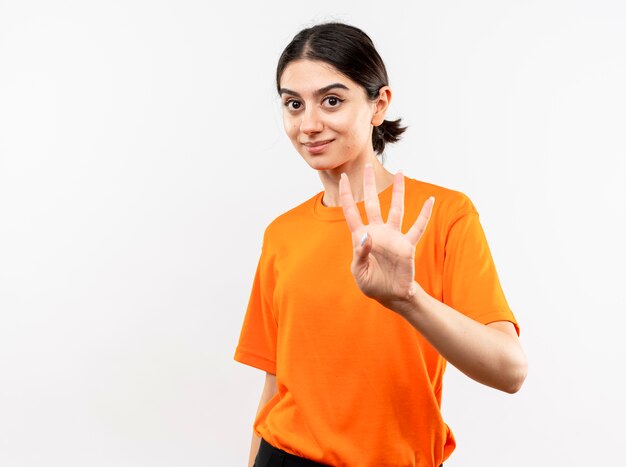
[387, 132]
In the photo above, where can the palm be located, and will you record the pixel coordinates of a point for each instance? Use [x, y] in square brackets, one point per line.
[383, 262]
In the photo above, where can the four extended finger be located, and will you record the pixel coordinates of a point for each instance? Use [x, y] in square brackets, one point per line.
[372, 204]
[417, 229]
[396, 210]
[350, 209]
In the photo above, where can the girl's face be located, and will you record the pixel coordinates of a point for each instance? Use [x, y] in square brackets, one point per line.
[327, 116]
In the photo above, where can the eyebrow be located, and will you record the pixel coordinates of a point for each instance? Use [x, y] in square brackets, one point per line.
[315, 93]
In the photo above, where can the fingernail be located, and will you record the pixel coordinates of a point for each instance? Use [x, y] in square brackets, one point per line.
[363, 238]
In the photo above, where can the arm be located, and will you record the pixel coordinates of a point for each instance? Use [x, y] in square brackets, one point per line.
[269, 390]
[383, 266]
[490, 354]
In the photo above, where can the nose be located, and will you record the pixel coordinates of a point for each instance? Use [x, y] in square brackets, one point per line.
[311, 122]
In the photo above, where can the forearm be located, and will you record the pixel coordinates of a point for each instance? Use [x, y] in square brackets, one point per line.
[254, 449]
[269, 390]
[485, 354]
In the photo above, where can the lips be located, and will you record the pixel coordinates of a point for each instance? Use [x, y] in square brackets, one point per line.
[317, 147]
[317, 143]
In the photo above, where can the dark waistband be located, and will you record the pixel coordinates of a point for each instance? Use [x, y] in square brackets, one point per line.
[266, 451]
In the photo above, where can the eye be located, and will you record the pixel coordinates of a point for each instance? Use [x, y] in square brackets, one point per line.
[292, 104]
[333, 101]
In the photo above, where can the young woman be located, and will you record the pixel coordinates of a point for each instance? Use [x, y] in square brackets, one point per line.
[366, 290]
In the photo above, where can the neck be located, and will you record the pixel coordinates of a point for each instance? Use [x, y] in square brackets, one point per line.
[330, 180]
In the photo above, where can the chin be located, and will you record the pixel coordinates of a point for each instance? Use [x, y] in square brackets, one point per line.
[320, 163]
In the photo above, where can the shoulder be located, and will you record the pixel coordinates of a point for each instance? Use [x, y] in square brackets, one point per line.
[290, 220]
[449, 203]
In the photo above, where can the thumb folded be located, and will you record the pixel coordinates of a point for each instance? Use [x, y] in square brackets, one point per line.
[362, 251]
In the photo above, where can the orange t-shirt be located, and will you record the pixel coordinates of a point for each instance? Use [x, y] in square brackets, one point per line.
[357, 385]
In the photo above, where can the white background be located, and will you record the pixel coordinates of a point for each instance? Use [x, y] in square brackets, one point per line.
[142, 155]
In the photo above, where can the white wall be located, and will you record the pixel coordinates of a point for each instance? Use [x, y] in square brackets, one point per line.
[142, 155]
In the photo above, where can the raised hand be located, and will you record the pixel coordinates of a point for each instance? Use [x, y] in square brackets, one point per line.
[383, 262]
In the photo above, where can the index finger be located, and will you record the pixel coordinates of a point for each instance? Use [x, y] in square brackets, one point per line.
[350, 210]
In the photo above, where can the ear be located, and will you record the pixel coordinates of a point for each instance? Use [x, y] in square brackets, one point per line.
[381, 105]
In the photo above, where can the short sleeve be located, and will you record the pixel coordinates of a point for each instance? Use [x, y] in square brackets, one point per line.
[257, 340]
[470, 280]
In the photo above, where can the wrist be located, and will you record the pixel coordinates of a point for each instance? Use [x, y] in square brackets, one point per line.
[408, 304]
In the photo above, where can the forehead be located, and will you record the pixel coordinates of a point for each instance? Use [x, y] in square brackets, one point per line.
[306, 76]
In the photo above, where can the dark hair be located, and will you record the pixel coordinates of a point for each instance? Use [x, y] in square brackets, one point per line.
[353, 54]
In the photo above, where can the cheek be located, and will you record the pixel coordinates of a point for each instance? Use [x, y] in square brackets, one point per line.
[365, 128]
[341, 123]
[290, 126]
[358, 120]
[356, 126]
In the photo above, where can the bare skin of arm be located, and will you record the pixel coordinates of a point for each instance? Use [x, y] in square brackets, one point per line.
[269, 390]
[383, 267]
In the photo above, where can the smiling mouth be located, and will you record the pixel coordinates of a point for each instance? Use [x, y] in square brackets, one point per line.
[317, 143]
[318, 147]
